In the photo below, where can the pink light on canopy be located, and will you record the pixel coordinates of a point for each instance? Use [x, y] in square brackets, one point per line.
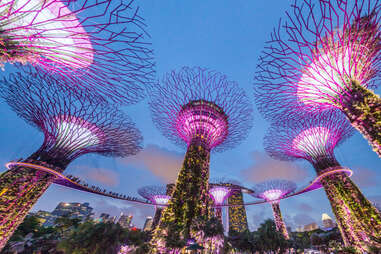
[161, 200]
[99, 46]
[219, 194]
[49, 32]
[202, 119]
[73, 133]
[272, 194]
[315, 54]
[272, 190]
[328, 76]
[313, 141]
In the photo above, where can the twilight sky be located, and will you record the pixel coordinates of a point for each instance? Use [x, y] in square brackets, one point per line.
[226, 36]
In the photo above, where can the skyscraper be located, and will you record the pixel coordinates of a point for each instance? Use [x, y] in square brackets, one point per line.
[148, 224]
[73, 210]
[125, 220]
[327, 221]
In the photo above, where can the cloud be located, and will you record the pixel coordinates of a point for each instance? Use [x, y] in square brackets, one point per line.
[161, 162]
[305, 207]
[364, 177]
[100, 175]
[266, 168]
[302, 219]
[138, 211]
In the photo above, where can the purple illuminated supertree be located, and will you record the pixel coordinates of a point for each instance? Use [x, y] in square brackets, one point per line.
[73, 124]
[273, 191]
[314, 139]
[205, 111]
[325, 55]
[101, 43]
[158, 196]
[219, 194]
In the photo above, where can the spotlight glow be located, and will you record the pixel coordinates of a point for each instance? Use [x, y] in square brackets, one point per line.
[312, 141]
[272, 194]
[204, 120]
[328, 76]
[75, 133]
[48, 29]
[219, 194]
[161, 200]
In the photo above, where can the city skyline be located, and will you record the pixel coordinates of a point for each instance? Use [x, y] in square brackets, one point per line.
[216, 42]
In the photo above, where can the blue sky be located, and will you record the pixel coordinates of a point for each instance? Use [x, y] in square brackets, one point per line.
[226, 36]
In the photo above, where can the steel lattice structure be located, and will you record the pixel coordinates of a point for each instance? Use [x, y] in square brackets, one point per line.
[98, 45]
[205, 111]
[194, 95]
[272, 191]
[314, 139]
[324, 55]
[158, 196]
[73, 123]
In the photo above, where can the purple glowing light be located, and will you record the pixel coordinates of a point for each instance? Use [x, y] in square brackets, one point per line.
[273, 190]
[203, 105]
[203, 120]
[49, 30]
[161, 200]
[156, 194]
[271, 195]
[74, 133]
[329, 75]
[312, 140]
[219, 194]
[315, 54]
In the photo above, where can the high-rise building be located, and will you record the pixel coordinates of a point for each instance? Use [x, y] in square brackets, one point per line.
[327, 221]
[74, 210]
[148, 224]
[310, 227]
[125, 220]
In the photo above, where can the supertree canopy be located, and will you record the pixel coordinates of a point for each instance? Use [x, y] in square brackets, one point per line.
[101, 42]
[158, 196]
[219, 194]
[323, 56]
[205, 111]
[73, 124]
[272, 191]
[314, 138]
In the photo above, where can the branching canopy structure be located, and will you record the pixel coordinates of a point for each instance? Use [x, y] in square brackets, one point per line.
[156, 194]
[99, 42]
[73, 122]
[272, 191]
[196, 102]
[314, 139]
[205, 111]
[324, 55]
[314, 54]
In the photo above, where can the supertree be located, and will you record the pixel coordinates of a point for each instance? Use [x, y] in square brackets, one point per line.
[219, 194]
[314, 139]
[237, 213]
[204, 111]
[158, 196]
[73, 124]
[101, 42]
[324, 55]
[273, 191]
